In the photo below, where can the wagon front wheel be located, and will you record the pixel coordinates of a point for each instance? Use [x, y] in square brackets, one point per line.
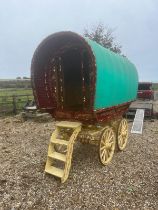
[107, 145]
[122, 134]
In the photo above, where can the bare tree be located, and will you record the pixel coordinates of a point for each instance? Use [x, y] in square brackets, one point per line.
[103, 36]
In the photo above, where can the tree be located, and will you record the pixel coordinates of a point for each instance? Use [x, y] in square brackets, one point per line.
[26, 78]
[103, 36]
[18, 78]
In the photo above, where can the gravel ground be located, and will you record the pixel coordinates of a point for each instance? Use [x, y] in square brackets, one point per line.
[130, 181]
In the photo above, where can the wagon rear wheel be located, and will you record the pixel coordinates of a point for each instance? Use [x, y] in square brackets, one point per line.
[122, 134]
[107, 145]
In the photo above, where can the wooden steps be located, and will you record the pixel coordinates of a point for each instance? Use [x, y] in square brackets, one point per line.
[55, 171]
[61, 150]
[58, 156]
[59, 141]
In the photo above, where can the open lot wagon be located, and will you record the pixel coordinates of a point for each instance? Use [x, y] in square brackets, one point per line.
[87, 89]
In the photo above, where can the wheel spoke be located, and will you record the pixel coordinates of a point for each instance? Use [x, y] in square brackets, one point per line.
[120, 140]
[102, 154]
[102, 148]
[108, 135]
[105, 155]
[111, 138]
[123, 141]
[124, 128]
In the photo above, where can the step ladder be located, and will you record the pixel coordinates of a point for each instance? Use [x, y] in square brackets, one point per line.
[61, 150]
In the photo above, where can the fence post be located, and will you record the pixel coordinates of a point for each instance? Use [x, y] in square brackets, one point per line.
[14, 105]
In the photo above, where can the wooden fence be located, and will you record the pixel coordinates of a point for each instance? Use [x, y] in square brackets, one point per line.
[14, 103]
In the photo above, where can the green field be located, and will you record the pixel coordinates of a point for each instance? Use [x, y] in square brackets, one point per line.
[14, 94]
[15, 91]
[14, 99]
[155, 86]
[15, 83]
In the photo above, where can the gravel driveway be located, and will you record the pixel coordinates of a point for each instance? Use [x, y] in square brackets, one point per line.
[130, 181]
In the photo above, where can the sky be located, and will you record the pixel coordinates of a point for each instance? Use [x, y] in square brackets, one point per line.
[24, 24]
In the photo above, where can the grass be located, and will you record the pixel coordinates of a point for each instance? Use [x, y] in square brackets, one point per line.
[14, 83]
[155, 86]
[16, 96]
[15, 91]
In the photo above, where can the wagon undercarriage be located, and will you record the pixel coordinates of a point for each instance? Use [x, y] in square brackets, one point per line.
[109, 137]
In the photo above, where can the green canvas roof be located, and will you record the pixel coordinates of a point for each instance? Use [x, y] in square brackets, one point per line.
[116, 78]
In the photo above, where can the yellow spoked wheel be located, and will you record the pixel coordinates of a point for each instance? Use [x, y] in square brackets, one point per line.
[122, 134]
[107, 145]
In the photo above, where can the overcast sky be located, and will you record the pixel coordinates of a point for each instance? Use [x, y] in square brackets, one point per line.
[24, 23]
